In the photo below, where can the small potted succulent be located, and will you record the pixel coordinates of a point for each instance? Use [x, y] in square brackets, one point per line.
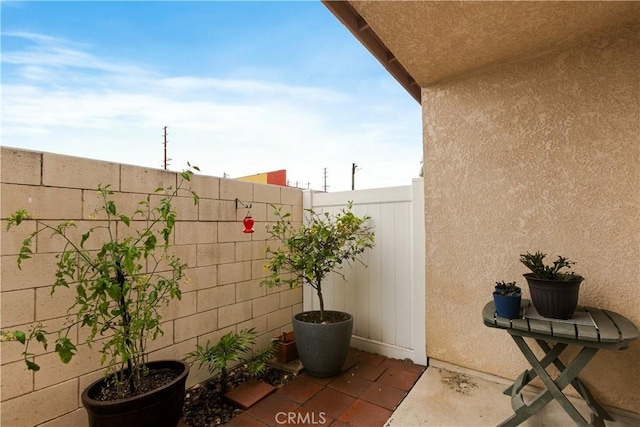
[507, 297]
[554, 293]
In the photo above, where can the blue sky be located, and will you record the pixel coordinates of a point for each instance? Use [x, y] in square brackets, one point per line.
[244, 88]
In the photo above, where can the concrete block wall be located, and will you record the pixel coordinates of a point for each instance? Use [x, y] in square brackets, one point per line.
[222, 293]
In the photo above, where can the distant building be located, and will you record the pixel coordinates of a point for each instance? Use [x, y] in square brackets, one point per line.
[278, 177]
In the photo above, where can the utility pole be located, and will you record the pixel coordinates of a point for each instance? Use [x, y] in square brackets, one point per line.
[325, 179]
[353, 176]
[166, 160]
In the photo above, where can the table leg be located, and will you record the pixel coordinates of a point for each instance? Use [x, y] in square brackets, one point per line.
[553, 388]
[579, 386]
[550, 356]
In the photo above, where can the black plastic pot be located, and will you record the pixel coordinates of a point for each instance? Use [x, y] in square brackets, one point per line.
[323, 348]
[507, 306]
[161, 407]
[556, 299]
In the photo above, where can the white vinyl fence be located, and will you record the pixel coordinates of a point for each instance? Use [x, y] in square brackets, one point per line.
[387, 296]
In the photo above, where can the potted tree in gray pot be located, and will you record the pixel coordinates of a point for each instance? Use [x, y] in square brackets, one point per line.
[119, 288]
[307, 254]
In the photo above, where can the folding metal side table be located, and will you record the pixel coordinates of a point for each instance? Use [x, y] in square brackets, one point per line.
[590, 328]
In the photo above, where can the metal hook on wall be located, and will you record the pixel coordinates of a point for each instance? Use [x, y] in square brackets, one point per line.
[242, 204]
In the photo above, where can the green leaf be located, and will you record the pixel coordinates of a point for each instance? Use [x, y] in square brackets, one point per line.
[85, 236]
[111, 207]
[103, 307]
[150, 243]
[65, 349]
[19, 336]
[41, 338]
[114, 292]
[32, 366]
[129, 264]
[125, 220]
[81, 292]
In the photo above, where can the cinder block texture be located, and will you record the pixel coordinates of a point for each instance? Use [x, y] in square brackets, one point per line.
[40, 406]
[135, 179]
[207, 187]
[266, 193]
[215, 297]
[74, 172]
[233, 314]
[17, 307]
[217, 210]
[20, 166]
[42, 202]
[220, 293]
[232, 190]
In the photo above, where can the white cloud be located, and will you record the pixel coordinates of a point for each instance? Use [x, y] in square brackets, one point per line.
[59, 97]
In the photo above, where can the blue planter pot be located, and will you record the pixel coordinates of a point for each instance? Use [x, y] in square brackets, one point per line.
[507, 306]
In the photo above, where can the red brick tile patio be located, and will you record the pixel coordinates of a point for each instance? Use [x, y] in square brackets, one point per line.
[364, 394]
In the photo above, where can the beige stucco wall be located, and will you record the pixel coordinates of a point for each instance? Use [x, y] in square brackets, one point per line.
[222, 295]
[542, 154]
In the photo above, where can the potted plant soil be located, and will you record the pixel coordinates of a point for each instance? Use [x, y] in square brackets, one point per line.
[507, 297]
[119, 289]
[307, 253]
[554, 293]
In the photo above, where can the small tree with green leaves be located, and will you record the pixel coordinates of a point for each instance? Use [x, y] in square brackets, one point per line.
[118, 288]
[309, 252]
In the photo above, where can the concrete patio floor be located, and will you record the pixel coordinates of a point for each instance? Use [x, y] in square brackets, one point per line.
[376, 391]
[446, 395]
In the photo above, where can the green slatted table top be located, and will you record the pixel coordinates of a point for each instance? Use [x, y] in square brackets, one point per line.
[589, 327]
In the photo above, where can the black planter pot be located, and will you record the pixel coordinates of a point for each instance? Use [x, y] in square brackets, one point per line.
[556, 299]
[507, 306]
[161, 407]
[323, 348]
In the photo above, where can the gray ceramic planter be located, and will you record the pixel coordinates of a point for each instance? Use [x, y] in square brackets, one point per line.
[556, 299]
[323, 348]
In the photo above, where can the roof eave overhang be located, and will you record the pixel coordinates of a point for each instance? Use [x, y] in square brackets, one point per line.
[361, 30]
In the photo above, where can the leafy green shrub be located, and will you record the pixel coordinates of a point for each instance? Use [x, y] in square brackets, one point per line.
[309, 252]
[230, 348]
[257, 365]
[118, 288]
